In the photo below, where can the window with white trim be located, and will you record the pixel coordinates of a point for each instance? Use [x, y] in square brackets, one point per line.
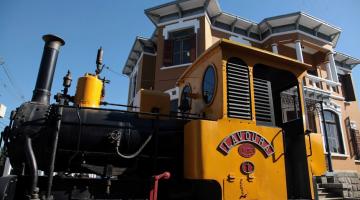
[180, 47]
[132, 87]
[332, 124]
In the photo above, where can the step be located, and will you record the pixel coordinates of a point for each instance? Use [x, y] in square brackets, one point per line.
[335, 185]
[326, 193]
[328, 196]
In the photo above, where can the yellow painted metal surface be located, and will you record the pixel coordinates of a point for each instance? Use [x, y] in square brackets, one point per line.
[247, 189]
[88, 91]
[203, 160]
[315, 154]
[152, 101]
[202, 157]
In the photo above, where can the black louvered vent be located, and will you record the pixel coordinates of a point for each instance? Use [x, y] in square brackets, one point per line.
[263, 102]
[238, 91]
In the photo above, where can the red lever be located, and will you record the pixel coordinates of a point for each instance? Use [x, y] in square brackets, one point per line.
[154, 189]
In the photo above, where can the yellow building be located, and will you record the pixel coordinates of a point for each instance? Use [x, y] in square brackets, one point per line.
[187, 30]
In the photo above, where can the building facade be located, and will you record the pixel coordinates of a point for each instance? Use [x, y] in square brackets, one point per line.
[186, 29]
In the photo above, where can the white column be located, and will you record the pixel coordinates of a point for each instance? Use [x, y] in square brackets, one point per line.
[275, 48]
[298, 48]
[333, 66]
[328, 71]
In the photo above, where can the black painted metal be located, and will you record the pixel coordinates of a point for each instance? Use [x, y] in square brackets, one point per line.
[90, 138]
[54, 149]
[33, 167]
[47, 68]
[8, 187]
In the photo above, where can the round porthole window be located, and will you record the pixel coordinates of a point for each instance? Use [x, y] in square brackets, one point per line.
[208, 84]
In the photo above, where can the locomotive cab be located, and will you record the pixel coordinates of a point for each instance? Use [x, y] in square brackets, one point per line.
[254, 142]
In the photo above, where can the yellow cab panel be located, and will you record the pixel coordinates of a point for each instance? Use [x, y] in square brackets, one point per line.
[253, 143]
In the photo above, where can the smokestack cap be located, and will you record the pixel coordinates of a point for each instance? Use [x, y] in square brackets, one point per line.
[53, 41]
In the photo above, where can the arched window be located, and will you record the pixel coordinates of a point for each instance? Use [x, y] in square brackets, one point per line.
[185, 100]
[333, 129]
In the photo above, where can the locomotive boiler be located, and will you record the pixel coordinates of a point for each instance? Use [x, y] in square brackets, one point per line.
[239, 133]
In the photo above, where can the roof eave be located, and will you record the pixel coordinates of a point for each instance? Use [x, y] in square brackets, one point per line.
[131, 51]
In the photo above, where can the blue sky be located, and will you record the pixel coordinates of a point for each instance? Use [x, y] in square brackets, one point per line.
[113, 24]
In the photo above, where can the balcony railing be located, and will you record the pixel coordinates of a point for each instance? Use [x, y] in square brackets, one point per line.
[322, 84]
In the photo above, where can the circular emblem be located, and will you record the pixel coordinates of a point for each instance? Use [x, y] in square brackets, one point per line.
[247, 167]
[246, 150]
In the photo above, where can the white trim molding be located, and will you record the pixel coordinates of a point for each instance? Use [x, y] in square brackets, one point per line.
[338, 155]
[181, 25]
[132, 84]
[240, 40]
[295, 31]
[234, 34]
[175, 66]
[337, 97]
[173, 92]
[271, 35]
[181, 19]
[318, 79]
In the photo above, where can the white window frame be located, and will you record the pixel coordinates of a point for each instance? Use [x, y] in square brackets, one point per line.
[131, 77]
[170, 92]
[336, 109]
[180, 25]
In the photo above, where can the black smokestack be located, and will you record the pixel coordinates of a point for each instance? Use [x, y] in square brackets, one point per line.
[47, 68]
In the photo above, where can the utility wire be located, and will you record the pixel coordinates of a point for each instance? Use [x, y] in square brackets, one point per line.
[11, 80]
[113, 71]
[8, 90]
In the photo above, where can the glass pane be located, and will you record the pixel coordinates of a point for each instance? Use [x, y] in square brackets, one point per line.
[182, 33]
[329, 116]
[174, 105]
[186, 44]
[333, 132]
[177, 46]
[176, 59]
[185, 104]
[186, 57]
[209, 84]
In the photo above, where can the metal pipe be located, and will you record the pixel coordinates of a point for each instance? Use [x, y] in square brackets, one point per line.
[54, 149]
[328, 155]
[31, 160]
[45, 76]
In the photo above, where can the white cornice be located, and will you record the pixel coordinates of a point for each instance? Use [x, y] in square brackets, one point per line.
[181, 19]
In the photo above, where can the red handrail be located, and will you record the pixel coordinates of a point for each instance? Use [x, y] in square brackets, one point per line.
[154, 189]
